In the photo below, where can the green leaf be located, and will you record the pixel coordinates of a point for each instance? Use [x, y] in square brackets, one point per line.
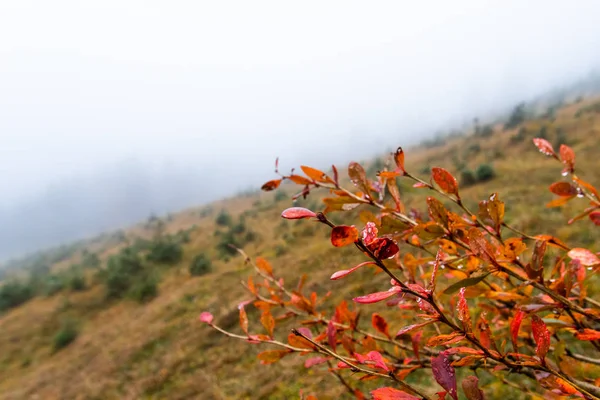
[470, 281]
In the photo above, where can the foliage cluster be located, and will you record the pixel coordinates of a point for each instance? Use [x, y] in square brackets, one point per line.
[469, 299]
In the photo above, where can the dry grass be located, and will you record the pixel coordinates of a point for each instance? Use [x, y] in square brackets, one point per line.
[159, 350]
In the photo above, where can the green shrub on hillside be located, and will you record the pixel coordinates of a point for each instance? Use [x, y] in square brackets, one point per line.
[144, 288]
[121, 271]
[165, 251]
[66, 335]
[467, 177]
[53, 285]
[14, 293]
[77, 282]
[200, 265]
[485, 172]
[223, 219]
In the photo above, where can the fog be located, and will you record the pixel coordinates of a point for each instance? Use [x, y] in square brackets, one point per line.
[113, 110]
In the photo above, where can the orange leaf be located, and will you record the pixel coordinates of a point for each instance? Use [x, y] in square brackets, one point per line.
[395, 193]
[559, 202]
[494, 210]
[380, 324]
[445, 339]
[445, 180]
[479, 246]
[299, 179]
[315, 174]
[267, 320]
[471, 389]
[388, 174]
[463, 311]
[399, 159]
[244, 320]
[251, 286]
[343, 235]
[264, 266]
[388, 393]
[587, 186]
[588, 334]
[299, 342]
[437, 211]
[271, 185]
[544, 146]
[272, 356]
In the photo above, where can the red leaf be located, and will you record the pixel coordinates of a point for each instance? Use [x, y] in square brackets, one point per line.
[399, 159]
[343, 235]
[315, 361]
[380, 324]
[271, 185]
[369, 233]
[388, 393]
[588, 334]
[484, 331]
[436, 265]
[335, 176]
[331, 333]
[567, 156]
[411, 328]
[243, 320]
[444, 180]
[544, 146]
[298, 213]
[563, 189]
[463, 311]
[206, 317]
[342, 273]
[470, 386]
[541, 335]
[377, 358]
[416, 340]
[514, 327]
[377, 297]
[444, 373]
[384, 248]
[584, 256]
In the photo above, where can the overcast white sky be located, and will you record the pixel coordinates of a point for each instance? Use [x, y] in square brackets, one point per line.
[223, 86]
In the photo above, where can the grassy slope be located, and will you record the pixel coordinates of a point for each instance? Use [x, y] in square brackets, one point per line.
[159, 350]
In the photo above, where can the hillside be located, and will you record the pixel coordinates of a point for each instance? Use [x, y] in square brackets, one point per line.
[125, 349]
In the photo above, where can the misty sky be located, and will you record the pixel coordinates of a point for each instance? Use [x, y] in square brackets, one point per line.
[221, 88]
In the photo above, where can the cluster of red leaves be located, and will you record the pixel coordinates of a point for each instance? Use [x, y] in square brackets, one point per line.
[539, 305]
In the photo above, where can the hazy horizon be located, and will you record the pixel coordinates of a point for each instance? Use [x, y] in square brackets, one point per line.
[111, 111]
